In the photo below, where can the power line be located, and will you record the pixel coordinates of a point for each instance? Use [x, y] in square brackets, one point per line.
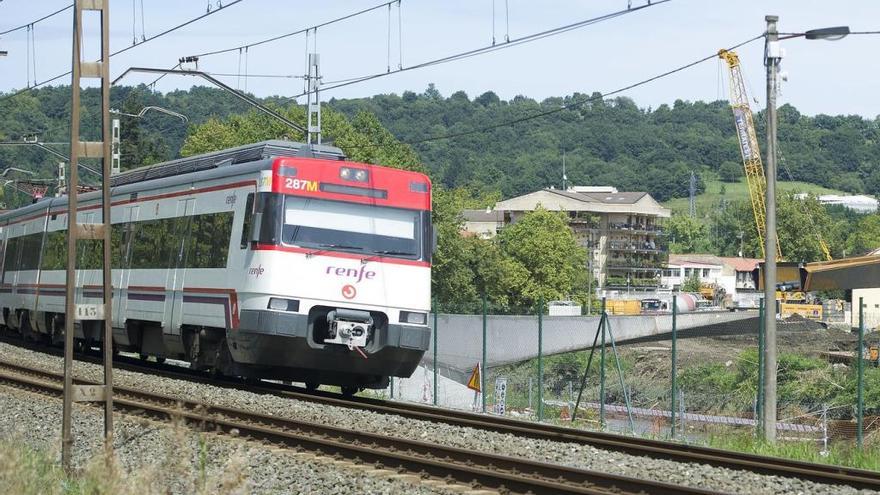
[23, 26]
[294, 33]
[576, 103]
[117, 52]
[263, 76]
[491, 48]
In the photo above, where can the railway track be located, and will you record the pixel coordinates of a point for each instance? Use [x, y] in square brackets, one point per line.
[427, 460]
[820, 473]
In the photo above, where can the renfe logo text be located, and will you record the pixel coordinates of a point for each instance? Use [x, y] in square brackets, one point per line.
[358, 274]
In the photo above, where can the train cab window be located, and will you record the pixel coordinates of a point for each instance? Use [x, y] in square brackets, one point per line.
[247, 225]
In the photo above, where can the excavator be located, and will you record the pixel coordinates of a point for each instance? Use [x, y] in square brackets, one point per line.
[793, 300]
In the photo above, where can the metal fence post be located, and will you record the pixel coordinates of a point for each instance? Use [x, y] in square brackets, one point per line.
[484, 370]
[860, 399]
[436, 368]
[759, 420]
[674, 361]
[602, 370]
[392, 387]
[541, 358]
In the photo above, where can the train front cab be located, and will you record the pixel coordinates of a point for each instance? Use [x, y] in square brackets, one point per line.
[317, 220]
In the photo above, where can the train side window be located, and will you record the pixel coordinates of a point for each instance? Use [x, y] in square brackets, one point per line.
[55, 251]
[247, 225]
[30, 251]
[209, 240]
[11, 262]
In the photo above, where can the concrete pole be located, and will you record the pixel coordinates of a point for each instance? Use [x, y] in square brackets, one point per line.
[772, 62]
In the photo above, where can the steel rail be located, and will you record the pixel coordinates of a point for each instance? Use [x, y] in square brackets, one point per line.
[509, 474]
[658, 449]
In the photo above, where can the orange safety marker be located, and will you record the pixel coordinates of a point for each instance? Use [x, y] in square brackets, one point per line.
[474, 381]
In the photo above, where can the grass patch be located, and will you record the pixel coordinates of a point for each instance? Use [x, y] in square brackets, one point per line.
[838, 453]
[737, 191]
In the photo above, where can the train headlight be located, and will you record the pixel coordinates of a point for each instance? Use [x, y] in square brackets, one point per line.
[413, 317]
[279, 304]
[355, 174]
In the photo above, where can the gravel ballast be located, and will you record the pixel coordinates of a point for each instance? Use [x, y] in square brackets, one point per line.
[168, 459]
[563, 453]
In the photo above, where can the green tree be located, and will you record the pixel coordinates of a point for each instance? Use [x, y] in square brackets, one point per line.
[730, 171]
[686, 234]
[542, 242]
[866, 236]
[464, 266]
[692, 283]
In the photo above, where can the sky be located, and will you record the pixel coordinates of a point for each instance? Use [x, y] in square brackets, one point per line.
[840, 77]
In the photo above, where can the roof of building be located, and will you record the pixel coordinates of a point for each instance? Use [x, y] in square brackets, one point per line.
[482, 216]
[742, 264]
[695, 259]
[572, 200]
[728, 262]
[616, 198]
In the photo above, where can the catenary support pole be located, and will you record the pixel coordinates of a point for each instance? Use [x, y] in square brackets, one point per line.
[772, 62]
[436, 367]
[602, 369]
[860, 398]
[484, 371]
[672, 392]
[759, 416]
[541, 358]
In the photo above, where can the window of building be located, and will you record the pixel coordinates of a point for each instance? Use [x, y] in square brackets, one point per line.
[705, 273]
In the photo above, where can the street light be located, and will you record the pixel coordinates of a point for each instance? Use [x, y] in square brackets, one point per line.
[829, 34]
[772, 56]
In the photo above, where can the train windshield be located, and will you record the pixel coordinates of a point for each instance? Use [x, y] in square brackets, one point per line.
[356, 228]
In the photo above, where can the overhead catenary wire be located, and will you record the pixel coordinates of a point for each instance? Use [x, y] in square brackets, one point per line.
[295, 33]
[122, 50]
[31, 23]
[490, 48]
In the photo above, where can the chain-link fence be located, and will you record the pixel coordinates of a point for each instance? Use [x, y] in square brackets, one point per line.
[697, 370]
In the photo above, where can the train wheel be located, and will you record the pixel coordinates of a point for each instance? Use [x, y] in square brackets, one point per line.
[144, 357]
[349, 391]
[312, 386]
[160, 359]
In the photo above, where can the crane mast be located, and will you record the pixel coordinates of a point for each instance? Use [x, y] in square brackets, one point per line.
[748, 146]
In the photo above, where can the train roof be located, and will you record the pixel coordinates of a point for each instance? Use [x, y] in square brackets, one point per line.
[230, 156]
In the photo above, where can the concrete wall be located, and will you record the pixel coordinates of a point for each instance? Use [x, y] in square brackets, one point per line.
[515, 338]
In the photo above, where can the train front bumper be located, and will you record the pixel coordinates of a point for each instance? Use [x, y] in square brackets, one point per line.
[282, 346]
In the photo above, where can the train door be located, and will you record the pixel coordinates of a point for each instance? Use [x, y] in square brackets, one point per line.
[89, 260]
[123, 273]
[177, 271]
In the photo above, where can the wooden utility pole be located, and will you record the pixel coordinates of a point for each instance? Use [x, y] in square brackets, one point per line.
[87, 313]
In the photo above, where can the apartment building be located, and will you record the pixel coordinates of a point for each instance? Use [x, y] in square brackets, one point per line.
[622, 231]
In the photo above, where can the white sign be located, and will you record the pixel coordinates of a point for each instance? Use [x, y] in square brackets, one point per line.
[500, 395]
[89, 311]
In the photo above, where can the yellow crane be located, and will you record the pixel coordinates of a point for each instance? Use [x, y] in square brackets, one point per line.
[751, 154]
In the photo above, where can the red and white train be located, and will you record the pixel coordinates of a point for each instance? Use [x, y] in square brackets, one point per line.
[271, 260]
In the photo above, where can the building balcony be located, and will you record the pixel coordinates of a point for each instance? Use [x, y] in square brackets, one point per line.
[636, 228]
[623, 282]
[636, 248]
